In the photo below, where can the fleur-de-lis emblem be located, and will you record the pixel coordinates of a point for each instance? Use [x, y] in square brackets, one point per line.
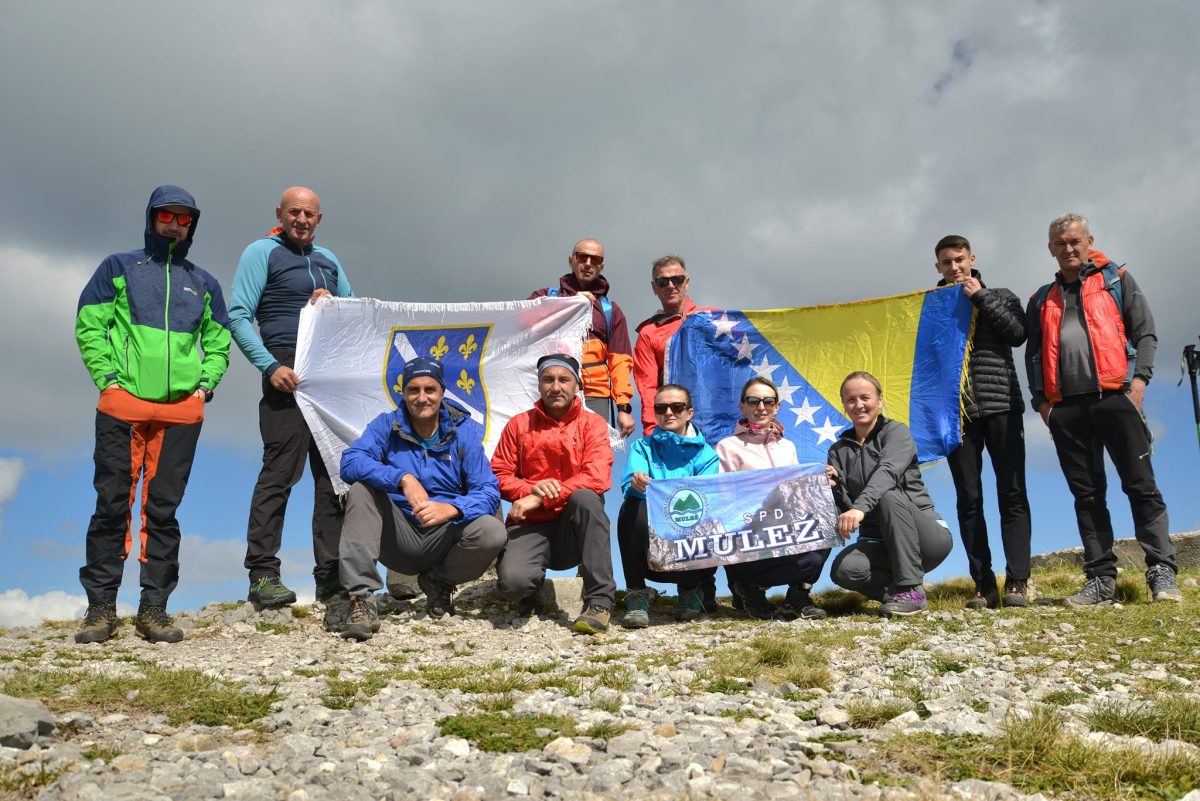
[465, 382]
[399, 390]
[468, 347]
[440, 349]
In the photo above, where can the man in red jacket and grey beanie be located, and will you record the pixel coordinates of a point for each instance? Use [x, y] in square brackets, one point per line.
[554, 464]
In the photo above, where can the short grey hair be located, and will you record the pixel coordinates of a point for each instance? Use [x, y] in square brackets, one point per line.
[666, 261]
[1061, 222]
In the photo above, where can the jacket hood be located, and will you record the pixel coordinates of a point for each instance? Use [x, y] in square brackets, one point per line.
[569, 283]
[1098, 257]
[169, 195]
[692, 439]
[974, 274]
[450, 417]
[768, 433]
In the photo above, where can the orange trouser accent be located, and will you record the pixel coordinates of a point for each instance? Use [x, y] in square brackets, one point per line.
[150, 421]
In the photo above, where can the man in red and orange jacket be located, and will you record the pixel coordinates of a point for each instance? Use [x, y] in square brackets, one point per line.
[1086, 329]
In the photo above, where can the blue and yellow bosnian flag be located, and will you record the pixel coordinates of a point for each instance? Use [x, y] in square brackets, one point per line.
[916, 345]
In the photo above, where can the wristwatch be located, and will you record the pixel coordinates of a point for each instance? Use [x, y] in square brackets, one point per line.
[625, 407]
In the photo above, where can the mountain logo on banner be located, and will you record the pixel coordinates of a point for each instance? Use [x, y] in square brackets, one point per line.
[686, 508]
[460, 349]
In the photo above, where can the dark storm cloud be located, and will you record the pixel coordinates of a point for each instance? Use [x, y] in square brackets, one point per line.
[790, 151]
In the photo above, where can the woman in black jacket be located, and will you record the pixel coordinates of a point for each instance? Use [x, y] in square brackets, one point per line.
[878, 488]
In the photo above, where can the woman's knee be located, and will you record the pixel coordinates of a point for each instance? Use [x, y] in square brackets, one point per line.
[851, 569]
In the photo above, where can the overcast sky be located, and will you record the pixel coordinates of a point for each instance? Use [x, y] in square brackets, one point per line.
[795, 153]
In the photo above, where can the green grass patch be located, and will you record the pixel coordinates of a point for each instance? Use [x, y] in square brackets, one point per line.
[865, 714]
[615, 677]
[738, 715]
[1036, 756]
[946, 664]
[107, 753]
[504, 702]
[301, 611]
[1174, 717]
[1063, 697]
[343, 693]
[776, 657]
[499, 732]
[272, 628]
[606, 730]
[536, 668]
[18, 783]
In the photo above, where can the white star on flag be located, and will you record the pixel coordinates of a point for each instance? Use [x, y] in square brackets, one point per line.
[804, 412]
[724, 326]
[764, 369]
[745, 348]
[786, 391]
[829, 431]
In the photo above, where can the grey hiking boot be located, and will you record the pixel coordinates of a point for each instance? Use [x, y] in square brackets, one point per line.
[799, 602]
[905, 602]
[690, 605]
[754, 600]
[99, 623]
[985, 598]
[637, 608]
[155, 625]
[361, 618]
[328, 589]
[1161, 581]
[438, 595]
[268, 592]
[594, 620]
[1097, 591]
[337, 609]
[1018, 593]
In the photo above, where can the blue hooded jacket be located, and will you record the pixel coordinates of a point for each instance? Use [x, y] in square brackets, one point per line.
[665, 454]
[143, 313]
[454, 470]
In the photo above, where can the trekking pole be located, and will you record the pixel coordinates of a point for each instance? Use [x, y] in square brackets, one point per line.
[1191, 362]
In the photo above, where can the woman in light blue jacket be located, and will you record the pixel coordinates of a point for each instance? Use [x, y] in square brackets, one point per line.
[674, 450]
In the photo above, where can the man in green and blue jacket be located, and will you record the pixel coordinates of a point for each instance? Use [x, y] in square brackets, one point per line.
[140, 319]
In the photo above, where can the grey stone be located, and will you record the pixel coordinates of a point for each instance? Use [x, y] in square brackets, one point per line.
[562, 596]
[23, 721]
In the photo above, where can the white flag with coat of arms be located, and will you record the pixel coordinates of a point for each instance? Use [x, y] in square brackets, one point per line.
[350, 353]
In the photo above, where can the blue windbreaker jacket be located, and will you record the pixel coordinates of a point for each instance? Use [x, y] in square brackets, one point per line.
[454, 470]
[665, 454]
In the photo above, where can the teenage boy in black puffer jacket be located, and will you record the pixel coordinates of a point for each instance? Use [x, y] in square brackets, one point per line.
[992, 407]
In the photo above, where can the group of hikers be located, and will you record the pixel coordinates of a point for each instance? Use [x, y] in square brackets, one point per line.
[424, 497]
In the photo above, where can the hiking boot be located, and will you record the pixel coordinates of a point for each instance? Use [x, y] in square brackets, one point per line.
[1097, 591]
[799, 603]
[754, 600]
[360, 618]
[155, 625]
[337, 609]
[528, 606]
[438, 595]
[985, 599]
[328, 589]
[594, 620]
[99, 623]
[902, 603]
[708, 591]
[637, 608]
[1018, 593]
[690, 605]
[1161, 581]
[268, 592]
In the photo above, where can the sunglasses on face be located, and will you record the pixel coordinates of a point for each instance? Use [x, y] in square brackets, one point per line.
[676, 408]
[165, 217]
[753, 401]
[666, 280]
[589, 258]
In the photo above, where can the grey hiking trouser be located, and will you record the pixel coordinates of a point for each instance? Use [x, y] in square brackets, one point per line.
[376, 529]
[898, 543]
[580, 536]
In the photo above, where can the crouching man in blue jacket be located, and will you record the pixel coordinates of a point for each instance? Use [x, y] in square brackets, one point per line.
[423, 500]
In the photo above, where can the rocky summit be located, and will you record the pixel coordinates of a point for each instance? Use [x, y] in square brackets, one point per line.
[990, 704]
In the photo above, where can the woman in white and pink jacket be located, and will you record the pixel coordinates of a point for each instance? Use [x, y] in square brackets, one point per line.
[758, 443]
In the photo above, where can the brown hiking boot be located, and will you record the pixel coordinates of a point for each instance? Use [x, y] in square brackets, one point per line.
[99, 623]
[594, 620]
[155, 625]
[1018, 593]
